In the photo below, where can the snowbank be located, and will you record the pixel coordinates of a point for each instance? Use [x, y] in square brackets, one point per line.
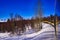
[4, 34]
[46, 27]
[44, 34]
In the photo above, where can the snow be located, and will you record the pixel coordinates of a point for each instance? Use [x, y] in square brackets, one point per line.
[3, 20]
[47, 33]
[29, 30]
[4, 34]
[50, 28]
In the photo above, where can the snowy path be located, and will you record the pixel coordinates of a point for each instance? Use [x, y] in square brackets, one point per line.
[47, 33]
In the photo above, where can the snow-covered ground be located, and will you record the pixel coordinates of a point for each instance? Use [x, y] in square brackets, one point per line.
[47, 33]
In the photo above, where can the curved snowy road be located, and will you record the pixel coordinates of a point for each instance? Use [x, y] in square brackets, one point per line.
[47, 33]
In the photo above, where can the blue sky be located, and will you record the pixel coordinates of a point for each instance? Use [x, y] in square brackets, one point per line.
[25, 8]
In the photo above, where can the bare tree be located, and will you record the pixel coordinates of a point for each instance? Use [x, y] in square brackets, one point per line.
[11, 16]
[38, 15]
[55, 21]
[18, 17]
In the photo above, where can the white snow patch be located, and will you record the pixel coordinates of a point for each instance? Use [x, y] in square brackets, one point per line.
[46, 27]
[4, 34]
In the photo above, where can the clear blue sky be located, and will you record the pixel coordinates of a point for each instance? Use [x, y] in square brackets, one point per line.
[25, 8]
